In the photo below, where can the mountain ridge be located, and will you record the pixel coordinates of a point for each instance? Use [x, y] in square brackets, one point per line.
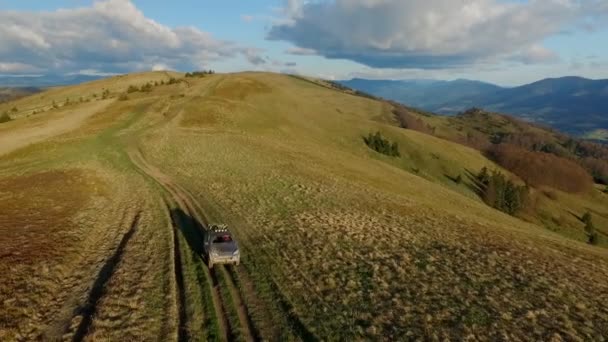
[573, 104]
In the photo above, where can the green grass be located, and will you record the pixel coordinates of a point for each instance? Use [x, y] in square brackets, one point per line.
[236, 333]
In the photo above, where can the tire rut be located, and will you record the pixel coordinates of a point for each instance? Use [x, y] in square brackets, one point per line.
[239, 304]
[182, 332]
[184, 202]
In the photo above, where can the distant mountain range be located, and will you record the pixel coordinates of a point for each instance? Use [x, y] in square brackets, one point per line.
[44, 81]
[11, 93]
[571, 104]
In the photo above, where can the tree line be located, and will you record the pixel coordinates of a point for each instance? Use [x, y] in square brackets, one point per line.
[502, 193]
[202, 73]
[381, 145]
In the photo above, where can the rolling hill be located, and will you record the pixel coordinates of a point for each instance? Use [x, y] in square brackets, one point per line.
[571, 104]
[111, 184]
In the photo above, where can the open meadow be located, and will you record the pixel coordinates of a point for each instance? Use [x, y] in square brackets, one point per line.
[104, 200]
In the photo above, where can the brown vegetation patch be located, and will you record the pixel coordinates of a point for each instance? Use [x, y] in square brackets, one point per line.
[36, 212]
[542, 169]
[410, 121]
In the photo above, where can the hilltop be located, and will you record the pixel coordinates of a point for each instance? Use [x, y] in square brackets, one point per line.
[354, 223]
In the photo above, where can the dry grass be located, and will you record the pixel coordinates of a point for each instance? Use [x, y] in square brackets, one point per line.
[57, 227]
[339, 242]
[361, 247]
[70, 201]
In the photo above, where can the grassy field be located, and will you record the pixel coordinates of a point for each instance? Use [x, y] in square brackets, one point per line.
[101, 236]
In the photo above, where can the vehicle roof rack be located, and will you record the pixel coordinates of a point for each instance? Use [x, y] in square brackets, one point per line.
[219, 227]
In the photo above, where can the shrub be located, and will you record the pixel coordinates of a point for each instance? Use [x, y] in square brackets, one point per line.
[377, 143]
[587, 218]
[146, 88]
[542, 169]
[123, 97]
[5, 117]
[173, 80]
[105, 94]
[14, 110]
[409, 121]
[132, 89]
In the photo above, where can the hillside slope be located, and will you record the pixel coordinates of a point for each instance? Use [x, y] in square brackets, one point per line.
[338, 242]
[571, 104]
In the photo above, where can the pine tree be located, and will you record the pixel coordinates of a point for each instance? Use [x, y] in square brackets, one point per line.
[512, 198]
[395, 150]
[592, 237]
[484, 176]
[587, 218]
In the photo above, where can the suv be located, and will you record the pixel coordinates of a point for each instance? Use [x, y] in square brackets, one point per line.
[220, 247]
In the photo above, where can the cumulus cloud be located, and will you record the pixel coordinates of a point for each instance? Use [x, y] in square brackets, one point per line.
[300, 51]
[109, 36]
[430, 34]
[253, 56]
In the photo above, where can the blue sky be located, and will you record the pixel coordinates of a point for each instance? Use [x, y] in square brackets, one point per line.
[499, 41]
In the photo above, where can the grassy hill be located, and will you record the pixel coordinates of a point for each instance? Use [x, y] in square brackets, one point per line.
[339, 242]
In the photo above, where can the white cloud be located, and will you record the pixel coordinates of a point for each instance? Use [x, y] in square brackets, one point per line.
[430, 34]
[536, 54]
[253, 56]
[10, 68]
[109, 36]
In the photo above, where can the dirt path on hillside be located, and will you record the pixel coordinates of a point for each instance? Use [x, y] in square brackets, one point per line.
[186, 203]
[23, 132]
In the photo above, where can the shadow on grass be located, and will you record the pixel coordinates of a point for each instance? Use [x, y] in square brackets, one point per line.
[579, 218]
[192, 230]
[87, 311]
[473, 183]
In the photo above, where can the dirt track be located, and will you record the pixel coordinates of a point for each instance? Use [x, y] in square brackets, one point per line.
[179, 197]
